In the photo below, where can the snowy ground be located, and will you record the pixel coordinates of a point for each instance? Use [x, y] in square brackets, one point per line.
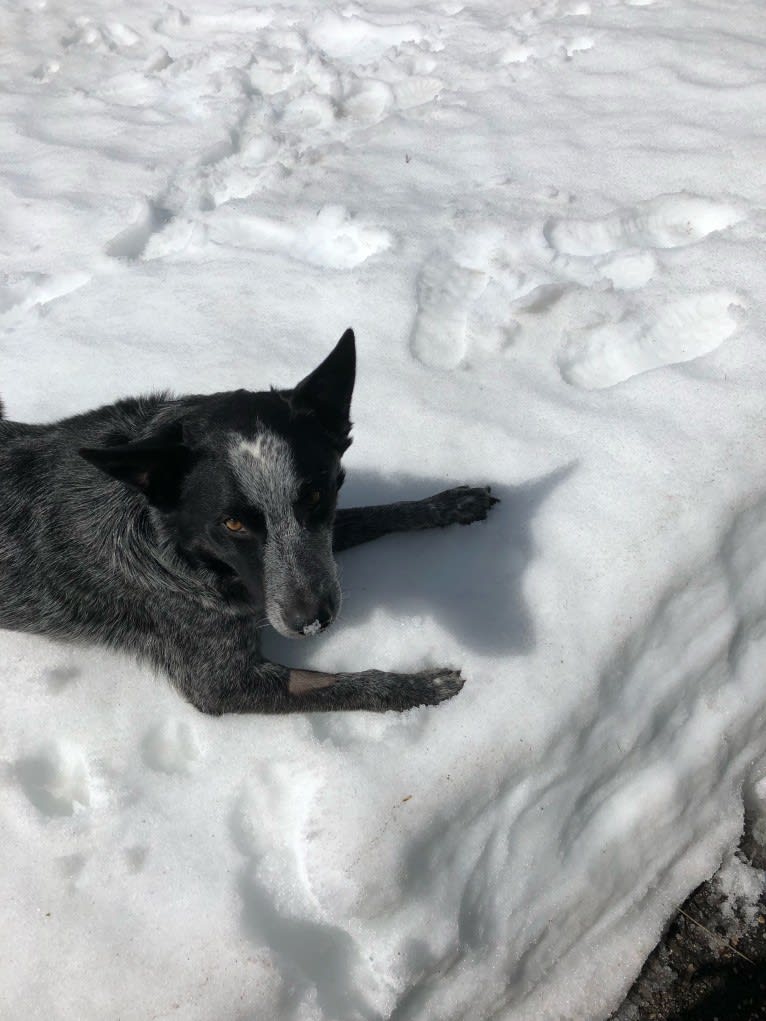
[545, 223]
[711, 962]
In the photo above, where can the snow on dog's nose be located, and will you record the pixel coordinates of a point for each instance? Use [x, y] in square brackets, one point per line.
[307, 618]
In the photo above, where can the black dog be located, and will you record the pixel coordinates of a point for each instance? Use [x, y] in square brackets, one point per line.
[171, 526]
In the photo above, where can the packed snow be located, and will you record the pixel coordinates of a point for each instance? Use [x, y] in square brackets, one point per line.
[741, 885]
[545, 223]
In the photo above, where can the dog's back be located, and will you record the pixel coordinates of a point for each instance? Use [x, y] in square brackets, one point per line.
[22, 451]
[12, 430]
[60, 521]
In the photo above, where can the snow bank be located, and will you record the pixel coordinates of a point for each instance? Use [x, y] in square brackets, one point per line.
[544, 222]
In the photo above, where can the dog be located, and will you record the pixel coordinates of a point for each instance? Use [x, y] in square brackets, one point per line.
[174, 528]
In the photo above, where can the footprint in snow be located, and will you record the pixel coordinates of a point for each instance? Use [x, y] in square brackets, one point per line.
[668, 221]
[309, 110]
[369, 100]
[131, 242]
[171, 747]
[60, 677]
[416, 91]
[523, 49]
[135, 857]
[85, 32]
[618, 248]
[614, 352]
[56, 778]
[332, 238]
[359, 39]
[446, 292]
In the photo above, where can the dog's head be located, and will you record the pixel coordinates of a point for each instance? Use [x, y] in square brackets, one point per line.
[245, 485]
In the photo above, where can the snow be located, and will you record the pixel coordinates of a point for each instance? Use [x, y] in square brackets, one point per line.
[741, 886]
[545, 223]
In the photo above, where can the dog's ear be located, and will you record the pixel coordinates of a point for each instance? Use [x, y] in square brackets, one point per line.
[326, 392]
[155, 466]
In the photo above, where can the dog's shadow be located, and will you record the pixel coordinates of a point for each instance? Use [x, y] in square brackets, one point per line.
[470, 578]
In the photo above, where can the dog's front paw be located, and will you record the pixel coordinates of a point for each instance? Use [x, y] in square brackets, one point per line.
[430, 687]
[461, 506]
[381, 690]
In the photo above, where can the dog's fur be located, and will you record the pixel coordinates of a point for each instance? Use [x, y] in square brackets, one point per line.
[113, 529]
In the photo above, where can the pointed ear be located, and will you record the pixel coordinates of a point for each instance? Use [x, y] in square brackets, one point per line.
[155, 466]
[327, 390]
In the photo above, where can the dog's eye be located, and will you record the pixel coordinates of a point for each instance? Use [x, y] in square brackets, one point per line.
[313, 498]
[234, 525]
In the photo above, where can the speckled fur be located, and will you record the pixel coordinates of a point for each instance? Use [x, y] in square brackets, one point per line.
[98, 545]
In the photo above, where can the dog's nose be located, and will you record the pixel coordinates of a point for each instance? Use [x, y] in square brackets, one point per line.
[310, 619]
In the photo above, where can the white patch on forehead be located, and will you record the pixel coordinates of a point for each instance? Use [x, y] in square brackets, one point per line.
[297, 560]
[265, 471]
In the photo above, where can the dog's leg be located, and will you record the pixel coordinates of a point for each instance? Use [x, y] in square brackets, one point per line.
[462, 506]
[216, 665]
[271, 688]
[375, 690]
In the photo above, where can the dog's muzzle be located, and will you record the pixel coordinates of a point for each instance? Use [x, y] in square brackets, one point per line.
[305, 616]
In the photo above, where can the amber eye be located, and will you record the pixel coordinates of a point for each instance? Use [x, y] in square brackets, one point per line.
[314, 498]
[234, 525]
